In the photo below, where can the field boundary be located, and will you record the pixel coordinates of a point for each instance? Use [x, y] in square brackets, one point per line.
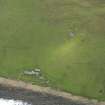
[48, 90]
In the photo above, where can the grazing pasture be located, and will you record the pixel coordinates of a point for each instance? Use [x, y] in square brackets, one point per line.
[65, 39]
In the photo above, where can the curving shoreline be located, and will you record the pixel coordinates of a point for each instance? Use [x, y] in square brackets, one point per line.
[33, 98]
[46, 90]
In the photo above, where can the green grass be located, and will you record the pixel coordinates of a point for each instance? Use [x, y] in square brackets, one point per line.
[35, 34]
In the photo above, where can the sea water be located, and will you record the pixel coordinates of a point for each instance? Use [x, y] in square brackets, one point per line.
[12, 102]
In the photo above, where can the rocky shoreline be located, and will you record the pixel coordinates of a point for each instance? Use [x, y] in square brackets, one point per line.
[34, 98]
[36, 95]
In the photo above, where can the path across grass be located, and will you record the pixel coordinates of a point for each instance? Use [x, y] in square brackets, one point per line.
[65, 39]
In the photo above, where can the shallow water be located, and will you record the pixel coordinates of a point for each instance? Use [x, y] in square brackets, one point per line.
[12, 102]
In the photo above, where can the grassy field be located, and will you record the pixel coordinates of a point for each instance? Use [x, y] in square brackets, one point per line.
[37, 34]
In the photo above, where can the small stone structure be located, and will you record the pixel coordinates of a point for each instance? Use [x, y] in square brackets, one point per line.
[71, 34]
[36, 72]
